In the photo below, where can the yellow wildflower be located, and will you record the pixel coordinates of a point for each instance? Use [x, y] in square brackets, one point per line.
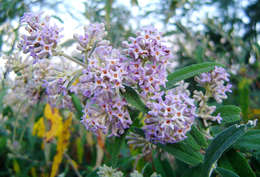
[39, 128]
[75, 82]
[63, 142]
[55, 120]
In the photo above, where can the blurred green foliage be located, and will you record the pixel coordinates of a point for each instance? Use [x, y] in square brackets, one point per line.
[9, 9]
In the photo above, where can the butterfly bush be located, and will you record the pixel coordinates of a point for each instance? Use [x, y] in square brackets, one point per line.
[56, 85]
[101, 82]
[102, 74]
[147, 58]
[43, 37]
[215, 85]
[171, 118]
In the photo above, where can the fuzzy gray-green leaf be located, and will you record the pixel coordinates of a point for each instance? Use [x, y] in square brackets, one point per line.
[188, 72]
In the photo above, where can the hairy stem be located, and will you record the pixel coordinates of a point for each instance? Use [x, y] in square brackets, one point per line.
[71, 58]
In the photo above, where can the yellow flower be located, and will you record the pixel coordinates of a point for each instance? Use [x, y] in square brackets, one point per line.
[63, 142]
[39, 128]
[58, 129]
[75, 82]
[55, 120]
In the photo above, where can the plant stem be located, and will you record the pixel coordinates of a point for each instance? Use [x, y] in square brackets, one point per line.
[74, 168]
[71, 58]
[138, 157]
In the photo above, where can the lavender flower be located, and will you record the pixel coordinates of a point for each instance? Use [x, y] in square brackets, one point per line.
[148, 45]
[43, 37]
[30, 80]
[147, 60]
[56, 84]
[107, 114]
[169, 120]
[93, 37]
[101, 83]
[138, 141]
[214, 83]
[57, 93]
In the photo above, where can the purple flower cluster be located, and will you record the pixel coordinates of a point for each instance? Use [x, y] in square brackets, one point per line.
[147, 61]
[30, 80]
[101, 82]
[43, 37]
[108, 114]
[104, 74]
[93, 34]
[215, 82]
[57, 93]
[171, 118]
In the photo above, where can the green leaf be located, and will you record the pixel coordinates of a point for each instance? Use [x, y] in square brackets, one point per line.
[244, 99]
[221, 143]
[80, 150]
[134, 100]
[3, 141]
[223, 162]
[198, 136]
[194, 171]
[239, 163]
[147, 169]
[125, 163]
[167, 168]
[58, 18]
[169, 33]
[192, 142]
[199, 53]
[8, 111]
[188, 72]
[158, 165]
[108, 8]
[229, 113]
[74, 78]
[68, 43]
[1, 41]
[249, 142]
[136, 117]
[77, 104]
[180, 167]
[2, 94]
[117, 143]
[93, 173]
[225, 172]
[183, 152]
[134, 2]
[138, 131]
